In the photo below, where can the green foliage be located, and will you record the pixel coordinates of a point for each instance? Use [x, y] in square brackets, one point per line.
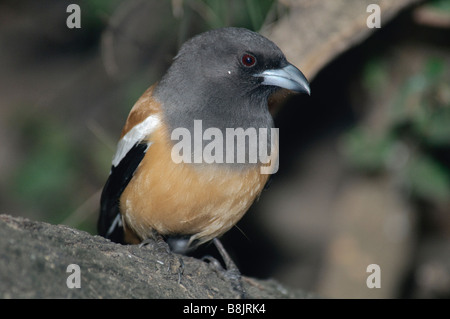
[95, 13]
[366, 150]
[428, 178]
[375, 75]
[47, 175]
[441, 5]
[418, 118]
[424, 104]
[240, 13]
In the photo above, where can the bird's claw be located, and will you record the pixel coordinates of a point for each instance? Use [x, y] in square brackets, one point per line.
[174, 263]
[231, 273]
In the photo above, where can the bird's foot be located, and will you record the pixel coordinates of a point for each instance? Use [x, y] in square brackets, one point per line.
[164, 256]
[231, 273]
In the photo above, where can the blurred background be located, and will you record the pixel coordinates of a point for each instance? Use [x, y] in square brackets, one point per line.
[364, 172]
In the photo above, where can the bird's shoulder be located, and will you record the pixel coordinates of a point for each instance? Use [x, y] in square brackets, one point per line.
[143, 119]
[145, 106]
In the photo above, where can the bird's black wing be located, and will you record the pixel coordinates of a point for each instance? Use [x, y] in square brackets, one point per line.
[110, 222]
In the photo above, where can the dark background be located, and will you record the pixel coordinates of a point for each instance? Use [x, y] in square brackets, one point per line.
[364, 172]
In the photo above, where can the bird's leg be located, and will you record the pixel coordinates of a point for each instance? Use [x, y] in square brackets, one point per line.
[174, 263]
[231, 273]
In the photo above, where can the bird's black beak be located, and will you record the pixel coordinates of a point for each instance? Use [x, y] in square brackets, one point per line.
[288, 77]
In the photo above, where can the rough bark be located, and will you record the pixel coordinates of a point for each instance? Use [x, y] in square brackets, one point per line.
[35, 255]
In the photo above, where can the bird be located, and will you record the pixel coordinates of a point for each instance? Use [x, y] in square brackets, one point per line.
[222, 79]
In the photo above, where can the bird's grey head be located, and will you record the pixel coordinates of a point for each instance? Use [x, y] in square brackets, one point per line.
[224, 77]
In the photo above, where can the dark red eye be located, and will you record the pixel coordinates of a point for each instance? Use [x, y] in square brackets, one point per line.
[248, 60]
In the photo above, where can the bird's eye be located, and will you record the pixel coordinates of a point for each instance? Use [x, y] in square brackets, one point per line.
[248, 60]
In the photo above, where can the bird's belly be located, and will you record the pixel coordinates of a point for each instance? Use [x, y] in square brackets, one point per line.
[180, 199]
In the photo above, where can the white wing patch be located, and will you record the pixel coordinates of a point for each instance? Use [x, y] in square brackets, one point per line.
[135, 135]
